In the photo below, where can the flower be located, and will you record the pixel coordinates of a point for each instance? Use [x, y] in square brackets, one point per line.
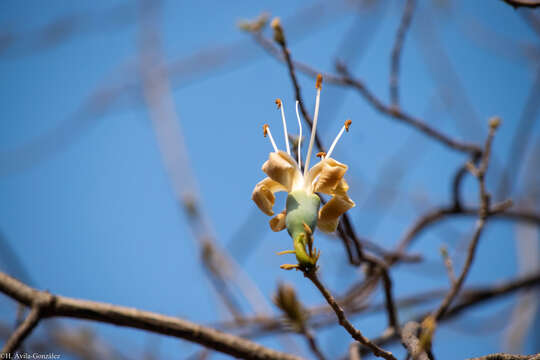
[302, 214]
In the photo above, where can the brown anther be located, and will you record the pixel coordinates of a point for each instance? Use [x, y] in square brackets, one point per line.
[265, 130]
[321, 154]
[318, 83]
[278, 103]
[348, 123]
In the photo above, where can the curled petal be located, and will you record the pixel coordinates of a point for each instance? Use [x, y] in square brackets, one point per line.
[333, 209]
[330, 177]
[277, 223]
[282, 168]
[330, 174]
[263, 194]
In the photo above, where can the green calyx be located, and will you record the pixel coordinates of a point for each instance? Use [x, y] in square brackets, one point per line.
[302, 208]
[301, 221]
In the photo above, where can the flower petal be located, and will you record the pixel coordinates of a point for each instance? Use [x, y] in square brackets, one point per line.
[282, 168]
[333, 209]
[277, 223]
[263, 194]
[330, 174]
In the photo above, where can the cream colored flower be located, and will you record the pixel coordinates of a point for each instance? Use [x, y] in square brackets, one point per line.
[285, 174]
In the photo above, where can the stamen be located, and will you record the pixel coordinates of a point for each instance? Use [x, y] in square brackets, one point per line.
[266, 131]
[299, 138]
[321, 154]
[345, 127]
[318, 85]
[280, 106]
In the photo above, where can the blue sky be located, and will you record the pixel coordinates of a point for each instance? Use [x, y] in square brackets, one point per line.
[92, 214]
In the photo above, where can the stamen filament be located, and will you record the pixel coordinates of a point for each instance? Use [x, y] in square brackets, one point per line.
[299, 137]
[345, 127]
[266, 131]
[280, 106]
[314, 127]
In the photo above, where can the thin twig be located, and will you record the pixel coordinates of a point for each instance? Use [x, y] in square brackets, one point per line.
[345, 79]
[396, 114]
[397, 51]
[438, 214]
[483, 213]
[391, 310]
[457, 181]
[312, 342]
[22, 331]
[323, 315]
[449, 265]
[138, 319]
[456, 286]
[469, 299]
[297, 91]
[409, 338]
[344, 322]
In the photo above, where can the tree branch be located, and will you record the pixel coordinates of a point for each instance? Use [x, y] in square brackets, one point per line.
[22, 331]
[355, 333]
[409, 338]
[441, 213]
[60, 306]
[345, 79]
[469, 299]
[397, 51]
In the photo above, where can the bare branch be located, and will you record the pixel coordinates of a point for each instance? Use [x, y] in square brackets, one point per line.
[441, 213]
[22, 331]
[61, 306]
[393, 113]
[346, 79]
[483, 213]
[409, 338]
[312, 342]
[469, 299]
[297, 91]
[397, 51]
[355, 333]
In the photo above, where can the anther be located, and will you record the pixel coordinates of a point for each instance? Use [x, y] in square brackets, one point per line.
[278, 103]
[318, 83]
[320, 154]
[348, 123]
[265, 130]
